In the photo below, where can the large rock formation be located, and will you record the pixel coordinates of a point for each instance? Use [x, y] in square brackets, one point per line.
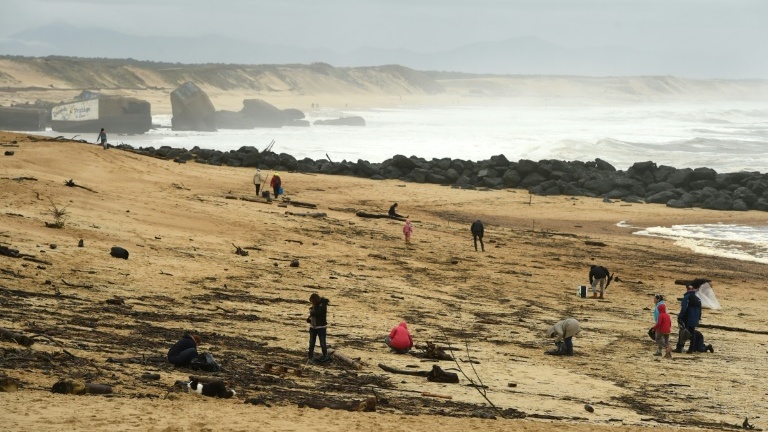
[342, 121]
[258, 113]
[116, 114]
[22, 119]
[192, 109]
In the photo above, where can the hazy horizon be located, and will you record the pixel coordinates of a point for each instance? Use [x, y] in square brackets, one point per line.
[689, 38]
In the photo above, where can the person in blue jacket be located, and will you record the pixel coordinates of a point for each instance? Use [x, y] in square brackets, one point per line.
[688, 319]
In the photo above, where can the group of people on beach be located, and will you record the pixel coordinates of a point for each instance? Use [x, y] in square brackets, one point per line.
[687, 320]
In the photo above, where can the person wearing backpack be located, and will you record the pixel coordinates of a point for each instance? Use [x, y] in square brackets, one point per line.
[688, 320]
[276, 184]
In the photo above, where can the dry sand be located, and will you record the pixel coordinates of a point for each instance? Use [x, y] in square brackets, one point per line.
[183, 274]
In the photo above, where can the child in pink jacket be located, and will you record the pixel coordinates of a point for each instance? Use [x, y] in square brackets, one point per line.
[407, 230]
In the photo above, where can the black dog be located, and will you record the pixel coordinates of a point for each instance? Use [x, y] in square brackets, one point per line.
[213, 389]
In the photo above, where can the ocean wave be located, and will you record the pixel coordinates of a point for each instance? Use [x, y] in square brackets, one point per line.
[742, 242]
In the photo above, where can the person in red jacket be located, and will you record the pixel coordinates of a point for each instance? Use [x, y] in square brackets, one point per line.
[662, 328]
[399, 339]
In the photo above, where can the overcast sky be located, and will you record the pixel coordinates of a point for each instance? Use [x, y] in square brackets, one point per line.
[421, 25]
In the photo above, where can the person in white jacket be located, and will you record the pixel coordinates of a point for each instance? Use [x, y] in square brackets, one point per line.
[258, 180]
[563, 333]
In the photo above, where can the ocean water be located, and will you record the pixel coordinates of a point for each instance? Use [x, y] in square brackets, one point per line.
[726, 136]
[742, 242]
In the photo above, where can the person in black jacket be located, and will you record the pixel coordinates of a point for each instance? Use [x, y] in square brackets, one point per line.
[598, 275]
[477, 233]
[393, 211]
[317, 326]
[185, 350]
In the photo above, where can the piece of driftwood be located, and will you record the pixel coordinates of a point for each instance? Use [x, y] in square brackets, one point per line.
[71, 183]
[239, 250]
[594, 243]
[350, 362]
[437, 374]
[436, 395]
[314, 215]
[378, 216]
[435, 352]
[277, 369]
[35, 260]
[69, 284]
[733, 329]
[367, 405]
[302, 204]
[402, 371]
[80, 388]
[6, 251]
[16, 337]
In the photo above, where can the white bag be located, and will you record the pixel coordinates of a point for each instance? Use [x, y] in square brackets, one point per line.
[706, 294]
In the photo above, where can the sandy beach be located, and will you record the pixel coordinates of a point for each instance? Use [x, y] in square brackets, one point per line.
[181, 224]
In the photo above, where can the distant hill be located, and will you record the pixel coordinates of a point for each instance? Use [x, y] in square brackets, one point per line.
[522, 55]
[30, 77]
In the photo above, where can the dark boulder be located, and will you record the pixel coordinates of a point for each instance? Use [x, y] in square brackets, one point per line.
[343, 121]
[703, 174]
[604, 166]
[661, 197]
[531, 179]
[680, 177]
[511, 178]
[192, 109]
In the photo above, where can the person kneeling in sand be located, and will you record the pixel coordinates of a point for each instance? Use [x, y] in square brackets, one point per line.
[563, 332]
[184, 351]
[399, 339]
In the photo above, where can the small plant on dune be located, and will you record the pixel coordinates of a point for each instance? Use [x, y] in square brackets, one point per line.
[59, 214]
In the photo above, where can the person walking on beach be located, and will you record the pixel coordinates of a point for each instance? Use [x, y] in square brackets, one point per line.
[276, 184]
[185, 350]
[663, 328]
[257, 181]
[688, 319]
[318, 325]
[399, 339]
[102, 138]
[393, 211]
[563, 333]
[477, 233]
[598, 275]
[407, 231]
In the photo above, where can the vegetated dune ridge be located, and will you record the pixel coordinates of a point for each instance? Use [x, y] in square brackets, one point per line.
[493, 307]
[24, 79]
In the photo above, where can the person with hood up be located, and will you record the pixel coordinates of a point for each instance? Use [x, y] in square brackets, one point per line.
[276, 184]
[663, 328]
[563, 333]
[318, 325]
[185, 350]
[407, 231]
[658, 300]
[399, 339]
[257, 181]
[477, 233]
[688, 320]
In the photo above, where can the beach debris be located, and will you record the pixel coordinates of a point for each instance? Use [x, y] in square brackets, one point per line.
[746, 424]
[300, 204]
[53, 246]
[119, 252]
[589, 408]
[367, 405]
[9, 153]
[350, 362]
[117, 301]
[16, 337]
[483, 414]
[71, 183]
[314, 215]
[294, 263]
[239, 250]
[80, 388]
[594, 243]
[80, 243]
[150, 376]
[8, 385]
[437, 374]
[363, 214]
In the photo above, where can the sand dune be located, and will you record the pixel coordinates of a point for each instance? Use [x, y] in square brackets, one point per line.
[183, 274]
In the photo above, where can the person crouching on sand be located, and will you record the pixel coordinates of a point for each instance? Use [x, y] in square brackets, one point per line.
[185, 350]
[563, 333]
[407, 231]
[399, 339]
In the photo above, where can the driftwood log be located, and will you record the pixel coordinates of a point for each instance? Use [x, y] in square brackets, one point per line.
[695, 282]
[302, 204]
[594, 243]
[350, 362]
[16, 337]
[314, 215]
[378, 216]
[367, 405]
[80, 388]
[71, 183]
[402, 371]
[733, 329]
